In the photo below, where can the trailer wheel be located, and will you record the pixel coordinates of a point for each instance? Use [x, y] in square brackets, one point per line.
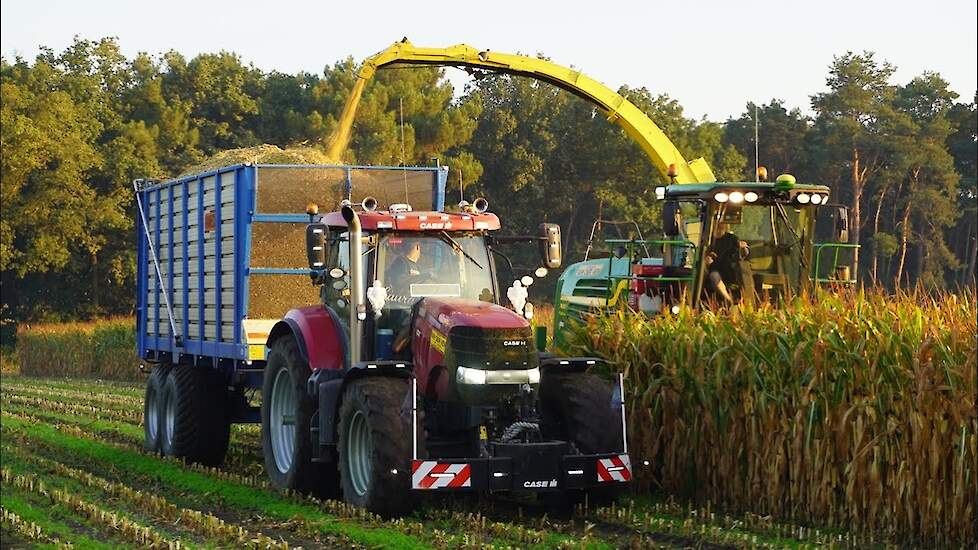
[577, 407]
[286, 414]
[194, 423]
[153, 409]
[375, 446]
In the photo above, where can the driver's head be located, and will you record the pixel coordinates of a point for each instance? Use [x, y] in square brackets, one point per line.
[413, 251]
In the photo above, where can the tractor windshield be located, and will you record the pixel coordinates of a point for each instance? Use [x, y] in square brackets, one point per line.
[412, 266]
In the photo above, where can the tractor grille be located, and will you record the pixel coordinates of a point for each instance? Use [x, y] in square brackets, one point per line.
[492, 348]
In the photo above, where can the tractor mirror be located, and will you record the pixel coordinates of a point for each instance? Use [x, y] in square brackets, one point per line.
[316, 246]
[550, 245]
[842, 224]
[670, 218]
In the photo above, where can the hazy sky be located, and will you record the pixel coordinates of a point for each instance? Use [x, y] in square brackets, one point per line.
[712, 56]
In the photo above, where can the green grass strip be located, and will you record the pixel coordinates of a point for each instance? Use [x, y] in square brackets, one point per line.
[269, 503]
[14, 501]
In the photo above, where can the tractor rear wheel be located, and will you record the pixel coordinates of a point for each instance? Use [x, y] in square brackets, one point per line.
[153, 409]
[194, 425]
[577, 407]
[286, 414]
[374, 446]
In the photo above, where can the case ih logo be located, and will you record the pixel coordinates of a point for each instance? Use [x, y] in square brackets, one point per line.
[540, 484]
[514, 342]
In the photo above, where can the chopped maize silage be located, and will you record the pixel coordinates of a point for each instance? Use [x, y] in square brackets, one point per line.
[262, 154]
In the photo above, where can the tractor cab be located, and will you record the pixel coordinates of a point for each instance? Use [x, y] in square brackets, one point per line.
[722, 244]
[409, 257]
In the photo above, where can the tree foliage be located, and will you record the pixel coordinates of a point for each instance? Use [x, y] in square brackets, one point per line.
[79, 125]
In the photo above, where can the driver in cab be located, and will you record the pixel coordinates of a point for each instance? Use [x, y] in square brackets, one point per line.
[723, 261]
[405, 269]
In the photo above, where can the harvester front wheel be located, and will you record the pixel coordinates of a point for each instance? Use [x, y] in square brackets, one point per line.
[194, 423]
[286, 413]
[153, 409]
[375, 445]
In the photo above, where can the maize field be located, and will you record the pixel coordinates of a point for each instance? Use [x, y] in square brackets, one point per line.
[853, 410]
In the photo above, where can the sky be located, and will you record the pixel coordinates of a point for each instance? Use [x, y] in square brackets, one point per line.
[712, 56]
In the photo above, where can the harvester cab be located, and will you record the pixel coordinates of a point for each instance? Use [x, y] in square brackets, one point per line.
[722, 244]
[441, 385]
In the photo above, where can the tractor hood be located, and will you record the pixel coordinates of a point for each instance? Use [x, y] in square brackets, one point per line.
[444, 314]
[451, 334]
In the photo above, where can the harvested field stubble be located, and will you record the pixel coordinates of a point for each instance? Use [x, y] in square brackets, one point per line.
[856, 411]
[86, 442]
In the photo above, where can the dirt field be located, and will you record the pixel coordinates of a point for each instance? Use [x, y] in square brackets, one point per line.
[74, 473]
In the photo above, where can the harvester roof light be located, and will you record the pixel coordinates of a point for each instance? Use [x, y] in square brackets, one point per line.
[816, 199]
[803, 198]
[590, 362]
[498, 474]
[565, 362]
[736, 197]
[750, 196]
[721, 197]
[575, 472]
[385, 225]
[660, 193]
[400, 207]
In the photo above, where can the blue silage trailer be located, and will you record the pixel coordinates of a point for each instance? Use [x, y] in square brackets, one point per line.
[221, 258]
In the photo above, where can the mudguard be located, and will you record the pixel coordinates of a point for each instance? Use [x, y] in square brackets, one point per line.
[320, 336]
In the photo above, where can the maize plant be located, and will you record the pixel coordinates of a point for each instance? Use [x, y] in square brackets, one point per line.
[853, 410]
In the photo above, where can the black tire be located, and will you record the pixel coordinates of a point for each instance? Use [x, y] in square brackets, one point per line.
[577, 407]
[377, 403]
[301, 474]
[153, 409]
[200, 428]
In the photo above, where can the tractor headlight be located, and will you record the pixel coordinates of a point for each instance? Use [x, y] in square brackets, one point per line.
[721, 197]
[750, 196]
[816, 199]
[803, 198]
[478, 377]
[465, 375]
[736, 197]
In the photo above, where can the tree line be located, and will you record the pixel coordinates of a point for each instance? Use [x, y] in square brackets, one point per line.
[80, 124]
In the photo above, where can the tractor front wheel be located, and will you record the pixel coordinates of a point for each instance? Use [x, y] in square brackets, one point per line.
[579, 407]
[375, 446]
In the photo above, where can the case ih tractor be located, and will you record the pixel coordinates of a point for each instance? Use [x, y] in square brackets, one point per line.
[399, 370]
[410, 375]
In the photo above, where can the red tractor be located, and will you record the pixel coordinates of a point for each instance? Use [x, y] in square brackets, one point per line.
[411, 375]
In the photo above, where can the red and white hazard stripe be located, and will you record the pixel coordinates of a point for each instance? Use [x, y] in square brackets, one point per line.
[616, 468]
[429, 474]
